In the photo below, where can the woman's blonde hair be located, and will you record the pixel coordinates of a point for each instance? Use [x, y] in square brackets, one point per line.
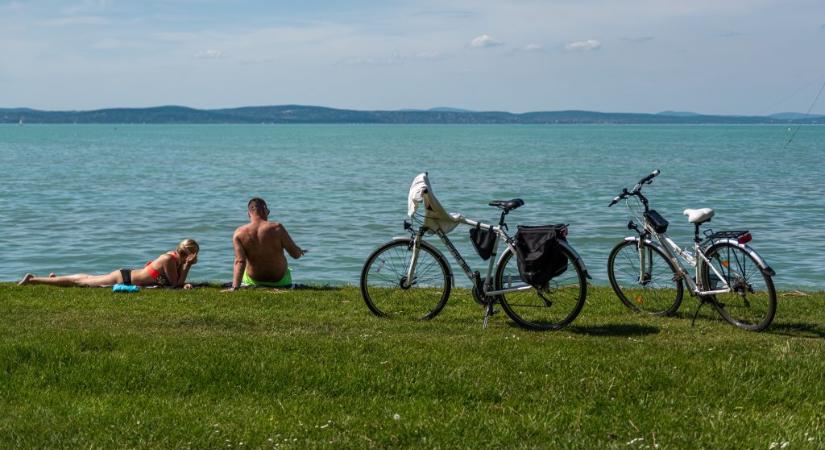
[187, 247]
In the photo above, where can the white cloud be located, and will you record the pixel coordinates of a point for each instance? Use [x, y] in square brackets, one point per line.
[430, 55]
[107, 44]
[11, 7]
[209, 54]
[590, 44]
[70, 21]
[484, 41]
[638, 39]
[176, 36]
[86, 6]
[375, 61]
[532, 47]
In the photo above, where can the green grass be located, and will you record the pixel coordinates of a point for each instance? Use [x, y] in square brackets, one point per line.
[87, 368]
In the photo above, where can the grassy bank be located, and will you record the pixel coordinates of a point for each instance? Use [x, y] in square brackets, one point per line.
[312, 368]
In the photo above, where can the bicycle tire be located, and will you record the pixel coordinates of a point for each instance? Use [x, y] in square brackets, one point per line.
[384, 293]
[751, 305]
[658, 292]
[549, 309]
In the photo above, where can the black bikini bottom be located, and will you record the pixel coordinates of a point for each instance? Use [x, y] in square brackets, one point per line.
[127, 275]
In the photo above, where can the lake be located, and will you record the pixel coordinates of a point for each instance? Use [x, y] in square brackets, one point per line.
[93, 198]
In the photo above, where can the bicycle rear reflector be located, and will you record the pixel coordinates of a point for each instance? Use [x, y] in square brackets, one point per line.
[745, 238]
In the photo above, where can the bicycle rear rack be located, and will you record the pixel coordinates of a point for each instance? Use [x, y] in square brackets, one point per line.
[740, 236]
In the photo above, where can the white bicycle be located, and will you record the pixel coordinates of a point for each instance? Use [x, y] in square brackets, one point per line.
[647, 272]
[409, 277]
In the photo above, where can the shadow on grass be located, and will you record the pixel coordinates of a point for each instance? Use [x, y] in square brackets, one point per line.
[619, 329]
[302, 287]
[798, 329]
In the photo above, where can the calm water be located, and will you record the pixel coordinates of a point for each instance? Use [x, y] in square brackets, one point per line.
[93, 198]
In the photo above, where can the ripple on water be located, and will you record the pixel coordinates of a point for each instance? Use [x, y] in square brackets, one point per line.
[342, 190]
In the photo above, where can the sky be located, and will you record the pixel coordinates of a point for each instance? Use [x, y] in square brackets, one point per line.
[752, 57]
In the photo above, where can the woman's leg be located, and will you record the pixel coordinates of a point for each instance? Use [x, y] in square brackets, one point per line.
[78, 279]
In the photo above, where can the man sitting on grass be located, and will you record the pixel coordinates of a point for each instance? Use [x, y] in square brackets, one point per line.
[259, 250]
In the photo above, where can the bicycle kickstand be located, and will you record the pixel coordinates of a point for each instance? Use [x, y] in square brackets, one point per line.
[488, 311]
[702, 301]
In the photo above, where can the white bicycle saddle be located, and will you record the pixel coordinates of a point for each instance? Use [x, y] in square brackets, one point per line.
[700, 215]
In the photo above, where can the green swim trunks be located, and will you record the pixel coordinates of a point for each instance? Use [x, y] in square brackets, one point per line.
[286, 281]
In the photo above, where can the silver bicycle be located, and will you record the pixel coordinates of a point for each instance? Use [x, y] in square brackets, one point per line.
[648, 271]
[409, 277]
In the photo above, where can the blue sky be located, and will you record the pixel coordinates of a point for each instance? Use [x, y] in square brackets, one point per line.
[709, 56]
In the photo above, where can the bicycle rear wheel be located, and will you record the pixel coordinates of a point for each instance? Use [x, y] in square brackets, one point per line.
[551, 308]
[652, 289]
[751, 304]
[384, 284]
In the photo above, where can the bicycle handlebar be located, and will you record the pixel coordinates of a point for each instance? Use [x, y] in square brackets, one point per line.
[649, 179]
[637, 190]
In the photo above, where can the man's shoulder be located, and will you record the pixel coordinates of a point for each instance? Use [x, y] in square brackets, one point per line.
[241, 230]
[274, 226]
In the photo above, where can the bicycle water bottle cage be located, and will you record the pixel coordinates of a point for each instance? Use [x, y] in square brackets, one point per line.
[656, 221]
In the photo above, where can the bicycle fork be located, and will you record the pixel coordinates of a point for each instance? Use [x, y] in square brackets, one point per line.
[409, 279]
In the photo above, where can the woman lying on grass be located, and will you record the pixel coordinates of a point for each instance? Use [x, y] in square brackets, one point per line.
[168, 270]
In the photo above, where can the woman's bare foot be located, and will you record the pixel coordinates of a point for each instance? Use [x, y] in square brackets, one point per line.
[26, 278]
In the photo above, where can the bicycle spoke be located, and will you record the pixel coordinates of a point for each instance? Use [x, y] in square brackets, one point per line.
[652, 288]
[420, 298]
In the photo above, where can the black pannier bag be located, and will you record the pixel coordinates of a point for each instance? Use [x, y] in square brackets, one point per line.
[656, 220]
[483, 241]
[540, 257]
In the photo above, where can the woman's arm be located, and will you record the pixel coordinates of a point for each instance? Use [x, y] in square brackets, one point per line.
[177, 274]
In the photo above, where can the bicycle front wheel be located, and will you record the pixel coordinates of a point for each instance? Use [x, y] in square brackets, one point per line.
[644, 279]
[550, 308]
[386, 290]
[751, 302]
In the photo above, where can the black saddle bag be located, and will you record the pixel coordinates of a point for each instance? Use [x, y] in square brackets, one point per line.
[540, 257]
[483, 241]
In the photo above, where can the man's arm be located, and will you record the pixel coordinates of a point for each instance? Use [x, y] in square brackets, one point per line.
[286, 240]
[240, 261]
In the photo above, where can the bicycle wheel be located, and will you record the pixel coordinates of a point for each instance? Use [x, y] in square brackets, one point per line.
[384, 287]
[751, 304]
[550, 308]
[653, 289]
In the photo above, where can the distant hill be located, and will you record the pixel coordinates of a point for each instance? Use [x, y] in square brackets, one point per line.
[678, 113]
[318, 114]
[448, 109]
[794, 116]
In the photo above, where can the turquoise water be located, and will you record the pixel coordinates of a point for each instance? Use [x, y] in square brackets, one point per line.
[93, 198]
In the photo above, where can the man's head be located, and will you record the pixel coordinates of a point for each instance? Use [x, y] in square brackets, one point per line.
[257, 208]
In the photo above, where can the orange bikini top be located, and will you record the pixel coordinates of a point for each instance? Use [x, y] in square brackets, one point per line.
[154, 273]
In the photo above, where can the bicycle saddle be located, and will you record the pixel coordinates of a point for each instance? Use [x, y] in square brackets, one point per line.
[701, 215]
[507, 205]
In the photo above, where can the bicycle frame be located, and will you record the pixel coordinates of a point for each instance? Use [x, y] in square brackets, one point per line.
[671, 250]
[494, 260]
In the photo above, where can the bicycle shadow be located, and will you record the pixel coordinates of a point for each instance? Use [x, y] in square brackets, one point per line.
[614, 329]
[797, 329]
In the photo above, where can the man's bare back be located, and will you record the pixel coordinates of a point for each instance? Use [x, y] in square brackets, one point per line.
[259, 247]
